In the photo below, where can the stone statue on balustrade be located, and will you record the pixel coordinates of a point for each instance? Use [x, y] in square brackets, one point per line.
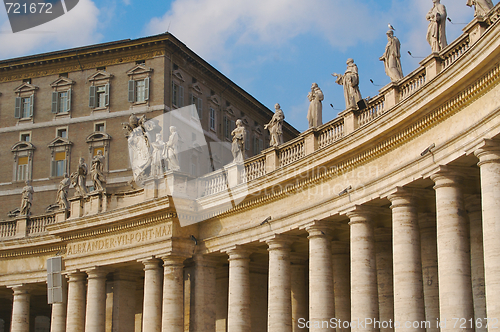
[275, 126]
[79, 178]
[26, 199]
[436, 31]
[315, 111]
[481, 7]
[350, 81]
[172, 150]
[97, 171]
[157, 157]
[62, 193]
[238, 146]
[392, 57]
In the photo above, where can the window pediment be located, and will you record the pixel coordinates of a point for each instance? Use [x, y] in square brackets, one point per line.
[59, 141]
[230, 110]
[100, 75]
[258, 130]
[195, 87]
[214, 100]
[245, 121]
[177, 74]
[62, 82]
[138, 70]
[22, 146]
[25, 87]
[98, 136]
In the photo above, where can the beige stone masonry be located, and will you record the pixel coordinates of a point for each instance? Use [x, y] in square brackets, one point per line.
[298, 285]
[95, 317]
[173, 294]
[75, 318]
[341, 282]
[20, 321]
[152, 305]
[203, 312]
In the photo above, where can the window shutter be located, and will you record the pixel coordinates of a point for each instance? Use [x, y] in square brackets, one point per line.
[200, 107]
[92, 96]
[255, 145]
[146, 88]
[181, 96]
[261, 145]
[54, 101]
[131, 91]
[17, 112]
[233, 126]
[190, 102]
[32, 102]
[69, 100]
[106, 95]
[53, 169]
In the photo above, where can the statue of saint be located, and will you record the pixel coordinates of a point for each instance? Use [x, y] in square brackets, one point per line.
[238, 146]
[392, 57]
[172, 147]
[275, 126]
[350, 81]
[436, 32]
[62, 193]
[315, 111]
[157, 157]
[97, 171]
[26, 199]
[79, 178]
[481, 7]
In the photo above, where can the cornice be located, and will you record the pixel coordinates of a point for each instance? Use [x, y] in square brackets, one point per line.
[29, 252]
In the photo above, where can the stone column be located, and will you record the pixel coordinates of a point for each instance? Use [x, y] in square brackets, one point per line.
[124, 287]
[383, 253]
[341, 284]
[279, 307]
[428, 246]
[151, 312]
[95, 318]
[238, 317]
[203, 315]
[59, 310]
[408, 292]
[364, 293]
[455, 287]
[489, 165]
[298, 284]
[20, 321]
[173, 294]
[75, 317]
[321, 298]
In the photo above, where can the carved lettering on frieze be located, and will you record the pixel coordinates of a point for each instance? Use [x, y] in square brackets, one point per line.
[120, 240]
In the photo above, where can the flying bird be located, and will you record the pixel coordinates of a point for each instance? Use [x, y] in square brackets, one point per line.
[391, 27]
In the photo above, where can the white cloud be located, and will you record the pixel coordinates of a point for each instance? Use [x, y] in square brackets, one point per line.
[76, 28]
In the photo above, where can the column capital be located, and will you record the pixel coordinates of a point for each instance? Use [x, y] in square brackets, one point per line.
[360, 214]
[318, 228]
[173, 260]
[488, 152]
[447, 176]
[402, 197]
[150, 263]
[96, 272]
[21, 289]
[75, 276]
[279, 241]
[238, 252]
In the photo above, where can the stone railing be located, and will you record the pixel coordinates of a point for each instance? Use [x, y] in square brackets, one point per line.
[374, 110]
[255, 168]
[332, 132]
[291, 152]
[37, 224]
[412, 83]
[455, 52]
[214, 182]
[8, 229]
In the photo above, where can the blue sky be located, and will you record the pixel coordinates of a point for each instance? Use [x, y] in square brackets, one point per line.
[274, 49]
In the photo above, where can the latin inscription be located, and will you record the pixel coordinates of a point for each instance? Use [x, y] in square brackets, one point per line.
[121, 240]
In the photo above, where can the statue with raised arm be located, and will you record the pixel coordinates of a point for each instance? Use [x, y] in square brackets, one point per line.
[157, 157]
[481, 7]
[97, 171]
[350, 81]
[26, 199]
[436, 31]
[392, 57]
[172, 150]
[315, 111]
[79, 178]
[275, 126]
[238, 146]
[62, 193]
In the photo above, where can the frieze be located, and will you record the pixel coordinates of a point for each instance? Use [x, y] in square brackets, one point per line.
[120, 240]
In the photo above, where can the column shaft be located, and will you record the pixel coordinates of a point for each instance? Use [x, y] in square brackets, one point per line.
[173, 294]
[341, 284]
[75, 317]
[239, 319]
[298, 284]
[152, 306]
[385, 289]
[59, 310]
[20, 309]
[124, 287]
[408, 292]
[95, 318]
[204, 316]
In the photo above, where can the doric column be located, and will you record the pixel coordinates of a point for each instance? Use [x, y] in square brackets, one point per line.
[455, 287]
[95, 318]
[75, 317]
[383, 253]
[298, 284]
[408, 292]
[124, 285]
[341, 283]
[203, 314]
[59, 310]
[173, 294]
[238, 317]
[489, 165]
[428, 246]
[151, 312]
[279, 307]
[20, 309]
[321, 298]
[364, 293]
[473, 206]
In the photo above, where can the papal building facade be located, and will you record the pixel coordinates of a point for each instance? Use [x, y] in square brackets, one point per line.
[383, 219]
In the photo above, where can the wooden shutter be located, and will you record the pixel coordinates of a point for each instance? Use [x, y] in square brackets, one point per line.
[68, 101]
[106, 95]
[181, 96]
[92, 96]
[17, 111]
[32, 102]
[146, 88]
[200, 107]
[55, 98]
[131, 91]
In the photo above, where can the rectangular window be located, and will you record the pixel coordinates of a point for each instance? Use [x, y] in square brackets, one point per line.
[227, 128]
[25, 107]
[100, 127]
[247, 142]
[101, 96]
[22, 168]
[258, 145]
[212, 119]
[140, 90]
[62, 132]
[59, 164]
[63, 102]
[177, 95]
[25, 137]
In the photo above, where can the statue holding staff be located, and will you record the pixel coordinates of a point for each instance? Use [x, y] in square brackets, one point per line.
[275, 126]
[436, 31]
[315, 111]
[350, 81]
[392, 57]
